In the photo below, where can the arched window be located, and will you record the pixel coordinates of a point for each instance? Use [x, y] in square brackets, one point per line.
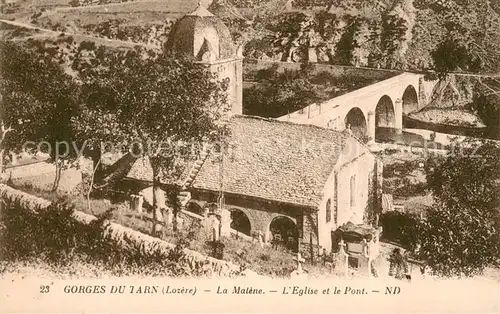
[328, 210]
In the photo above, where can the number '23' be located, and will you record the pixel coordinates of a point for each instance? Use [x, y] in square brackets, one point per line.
[44, 289]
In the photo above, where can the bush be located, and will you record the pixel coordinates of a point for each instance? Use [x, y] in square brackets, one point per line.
[52, 236]
[401, 228]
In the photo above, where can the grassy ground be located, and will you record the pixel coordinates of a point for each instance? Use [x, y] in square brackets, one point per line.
[264, 260]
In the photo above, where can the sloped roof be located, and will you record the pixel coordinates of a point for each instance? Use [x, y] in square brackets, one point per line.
[192, 30]
[139, 168]
[274, 160]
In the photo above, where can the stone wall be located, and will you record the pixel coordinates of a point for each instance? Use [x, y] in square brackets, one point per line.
[188, 219]
[193, 260]
[259, 213]
[309, 235]
[253, 65]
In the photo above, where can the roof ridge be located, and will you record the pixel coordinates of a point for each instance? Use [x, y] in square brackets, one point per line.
[310, 126]
[200, 11]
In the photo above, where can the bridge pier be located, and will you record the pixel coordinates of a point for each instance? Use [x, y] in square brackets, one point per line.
[398, 113]
[371, 126]
[422, 99]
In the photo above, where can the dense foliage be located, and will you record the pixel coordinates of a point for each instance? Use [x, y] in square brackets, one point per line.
[450, 56]
[401, 228]
[38, 100]
[460, 235]
[94, 95]
[52, 236]
[277, 90]
[284, 92]
[486, 103]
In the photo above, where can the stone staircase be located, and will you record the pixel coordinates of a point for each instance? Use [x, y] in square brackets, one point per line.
[184, 195]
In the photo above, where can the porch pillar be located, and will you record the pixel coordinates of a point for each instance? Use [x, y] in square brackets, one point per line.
[225, 223]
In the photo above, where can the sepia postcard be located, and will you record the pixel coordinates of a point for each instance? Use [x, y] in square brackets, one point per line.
[256, 156]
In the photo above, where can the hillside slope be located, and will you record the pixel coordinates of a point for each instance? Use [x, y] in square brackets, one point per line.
[395, 34]
[389, 34]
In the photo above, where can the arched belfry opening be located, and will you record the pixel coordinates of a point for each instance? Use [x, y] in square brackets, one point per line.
[240, 222]
[356, 121]
[410, 100]
[284, 233]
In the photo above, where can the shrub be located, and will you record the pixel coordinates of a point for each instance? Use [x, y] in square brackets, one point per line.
[54, 237]
[401, 228]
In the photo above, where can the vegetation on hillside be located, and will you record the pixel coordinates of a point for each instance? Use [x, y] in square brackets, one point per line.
[389, 34]
[397, 34]
[75, 113]
[460, 233]
[275, 91]
[54, 238]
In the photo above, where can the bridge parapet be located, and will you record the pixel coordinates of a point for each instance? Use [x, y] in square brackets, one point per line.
[363, 98]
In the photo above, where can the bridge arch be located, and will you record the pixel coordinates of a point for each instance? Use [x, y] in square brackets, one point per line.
[356, 121]
[240, 221]
[384, 113]
[410, 100]
[284, 232]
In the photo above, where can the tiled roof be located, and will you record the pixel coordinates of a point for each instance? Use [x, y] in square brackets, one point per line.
[274, 160]
[139, 168]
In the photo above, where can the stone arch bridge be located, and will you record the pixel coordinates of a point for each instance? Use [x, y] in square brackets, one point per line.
[364, 110]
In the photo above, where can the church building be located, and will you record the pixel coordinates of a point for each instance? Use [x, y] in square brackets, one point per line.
[279, 181]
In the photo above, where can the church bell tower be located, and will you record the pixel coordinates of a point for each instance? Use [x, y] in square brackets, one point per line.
[202, 35]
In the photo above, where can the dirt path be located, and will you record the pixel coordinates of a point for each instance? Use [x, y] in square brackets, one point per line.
[100, 40]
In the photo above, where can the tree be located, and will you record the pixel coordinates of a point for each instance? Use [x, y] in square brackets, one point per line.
[393, 31]
[347, 42]
[149, 104]
[284, 92]
[460, 234]
[38, 101]
[487, 106]
[450, 56]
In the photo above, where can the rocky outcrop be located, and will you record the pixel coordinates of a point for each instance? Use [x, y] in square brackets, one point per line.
[453, 91]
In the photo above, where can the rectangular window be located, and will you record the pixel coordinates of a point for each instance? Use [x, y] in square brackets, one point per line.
[352, 190]
[328, 210]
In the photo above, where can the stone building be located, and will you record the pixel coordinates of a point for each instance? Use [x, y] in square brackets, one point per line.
[203, 36]
[299, 182]
[290, 183]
